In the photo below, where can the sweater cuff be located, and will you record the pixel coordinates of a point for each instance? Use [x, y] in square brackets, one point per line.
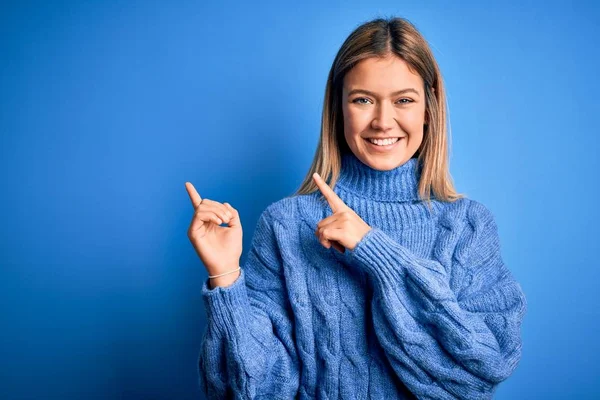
[381, 257]
[227, 307]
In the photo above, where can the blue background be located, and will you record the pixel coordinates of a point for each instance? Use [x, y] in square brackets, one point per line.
[108, 108]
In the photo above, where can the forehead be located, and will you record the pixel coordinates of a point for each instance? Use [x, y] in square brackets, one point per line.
[382, 75]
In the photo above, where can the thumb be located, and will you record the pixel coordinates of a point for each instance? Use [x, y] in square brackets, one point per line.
[234, 222]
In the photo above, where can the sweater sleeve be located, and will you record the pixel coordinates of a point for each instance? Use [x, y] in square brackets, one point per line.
[444, 343]
[248, 350]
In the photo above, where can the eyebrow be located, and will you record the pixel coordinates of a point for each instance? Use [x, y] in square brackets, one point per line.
[397, 92]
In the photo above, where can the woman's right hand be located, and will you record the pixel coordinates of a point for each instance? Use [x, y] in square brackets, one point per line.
[219, 248]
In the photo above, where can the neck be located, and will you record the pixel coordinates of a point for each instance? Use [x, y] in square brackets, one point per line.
[396, 185]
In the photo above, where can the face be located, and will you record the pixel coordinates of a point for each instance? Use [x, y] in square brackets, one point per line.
[382, 98]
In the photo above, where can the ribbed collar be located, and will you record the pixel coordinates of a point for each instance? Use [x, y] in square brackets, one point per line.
[400, 184]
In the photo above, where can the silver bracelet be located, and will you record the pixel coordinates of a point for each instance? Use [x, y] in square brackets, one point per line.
[216, 276]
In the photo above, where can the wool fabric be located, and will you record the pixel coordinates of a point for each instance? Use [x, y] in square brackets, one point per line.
[422, 307]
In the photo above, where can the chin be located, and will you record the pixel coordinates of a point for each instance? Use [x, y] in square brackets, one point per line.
[384, 163]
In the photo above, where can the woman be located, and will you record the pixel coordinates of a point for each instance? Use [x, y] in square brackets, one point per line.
[383, 283]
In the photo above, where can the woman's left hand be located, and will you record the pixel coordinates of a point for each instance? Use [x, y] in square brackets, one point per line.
[344, 228]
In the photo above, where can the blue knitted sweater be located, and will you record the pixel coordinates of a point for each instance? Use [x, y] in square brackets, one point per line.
[423, 306]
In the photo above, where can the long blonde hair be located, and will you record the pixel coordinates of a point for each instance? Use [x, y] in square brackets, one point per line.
[379, 38]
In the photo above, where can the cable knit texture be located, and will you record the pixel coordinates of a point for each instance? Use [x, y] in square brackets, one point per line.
[423, 307]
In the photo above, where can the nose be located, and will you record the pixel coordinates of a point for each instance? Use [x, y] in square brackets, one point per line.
[384, 117]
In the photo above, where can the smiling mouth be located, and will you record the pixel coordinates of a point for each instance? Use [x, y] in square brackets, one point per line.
[385, 147]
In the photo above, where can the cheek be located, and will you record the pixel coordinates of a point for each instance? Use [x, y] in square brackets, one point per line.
[354, 124]
[414, 118]
[412, 123]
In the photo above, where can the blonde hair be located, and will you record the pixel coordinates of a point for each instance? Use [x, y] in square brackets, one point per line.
[380, 38]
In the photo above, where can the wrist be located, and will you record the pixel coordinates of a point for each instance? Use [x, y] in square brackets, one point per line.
[224, 279]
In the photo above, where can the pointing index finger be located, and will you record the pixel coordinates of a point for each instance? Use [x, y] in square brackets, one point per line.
[194, 196]
[333, 199]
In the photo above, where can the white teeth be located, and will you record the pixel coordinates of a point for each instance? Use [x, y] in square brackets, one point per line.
[383, 142]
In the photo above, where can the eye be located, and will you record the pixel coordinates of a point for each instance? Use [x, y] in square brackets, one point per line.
[356, 100]
[364, 100]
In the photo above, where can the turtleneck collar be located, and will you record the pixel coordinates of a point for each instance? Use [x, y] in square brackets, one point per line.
[400, 184]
